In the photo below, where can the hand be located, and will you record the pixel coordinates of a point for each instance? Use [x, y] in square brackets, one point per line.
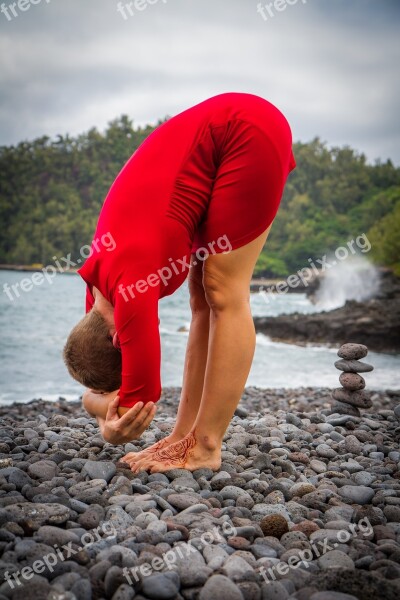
[120, 430]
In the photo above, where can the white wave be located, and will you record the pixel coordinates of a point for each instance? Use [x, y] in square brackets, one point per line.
[355, 278]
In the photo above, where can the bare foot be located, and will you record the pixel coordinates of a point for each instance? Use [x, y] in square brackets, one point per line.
[132, 457]
[185, 454]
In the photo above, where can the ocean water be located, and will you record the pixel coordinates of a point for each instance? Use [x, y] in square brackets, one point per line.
[35, 325]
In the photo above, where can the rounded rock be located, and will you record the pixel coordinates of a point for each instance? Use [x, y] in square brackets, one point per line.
[162, 586]
[219, 586]
[274, 525]
[353, 366]
[99, 469]
[359, 399]
[351, 351]
[335, 559]
[43, 469]
[359, 494]
[352, 381]
[352, 444]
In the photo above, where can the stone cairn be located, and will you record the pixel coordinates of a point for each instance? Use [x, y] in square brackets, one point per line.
[351, 396]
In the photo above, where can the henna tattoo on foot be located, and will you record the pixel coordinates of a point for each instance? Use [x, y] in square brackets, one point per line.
[178, 453]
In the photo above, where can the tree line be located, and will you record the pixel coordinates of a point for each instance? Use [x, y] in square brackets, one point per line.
[51, 192]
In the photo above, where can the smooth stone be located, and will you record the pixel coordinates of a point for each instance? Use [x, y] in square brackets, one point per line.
[377, 455]
[371, 423]
[263, 551]
[275, 590]
[358, 398]
[396, 411]
[55, 535]
[342, 419]
[363, 478]
[185, 484]
[184, 552]
[215, 556]
[394, 455]
[162, 586]
[82, 589]
[335, 559]
[19, 478]
[325, 451]
[325, 427]
[236, 568]
[352, 381]
[194, 509]
[219, 586]
[318, 466]
[182, 501]
[193, 576]
[99, 469]
[43, 469]
[359, 494]
[351, 351]
[353, 366]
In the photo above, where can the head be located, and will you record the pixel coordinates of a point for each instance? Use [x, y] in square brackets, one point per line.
[90, 355]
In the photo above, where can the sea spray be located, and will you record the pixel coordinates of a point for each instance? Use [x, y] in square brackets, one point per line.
[356, 278]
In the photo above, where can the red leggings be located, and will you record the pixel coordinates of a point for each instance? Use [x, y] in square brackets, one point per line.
[211, 177]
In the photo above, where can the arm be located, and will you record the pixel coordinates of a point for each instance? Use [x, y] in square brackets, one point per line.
[97, 404]
[137, 325]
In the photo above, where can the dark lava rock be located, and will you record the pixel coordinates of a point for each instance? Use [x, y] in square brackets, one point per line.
[360, 584]
[274, 525]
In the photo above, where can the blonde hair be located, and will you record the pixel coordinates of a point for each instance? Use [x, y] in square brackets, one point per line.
[90, 356]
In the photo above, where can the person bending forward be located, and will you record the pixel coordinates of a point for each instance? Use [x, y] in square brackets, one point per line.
[197, 199]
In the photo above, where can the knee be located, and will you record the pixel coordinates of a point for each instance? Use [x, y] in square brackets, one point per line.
[223, 293]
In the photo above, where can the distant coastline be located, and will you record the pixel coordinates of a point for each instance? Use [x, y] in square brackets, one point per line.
[257, 283]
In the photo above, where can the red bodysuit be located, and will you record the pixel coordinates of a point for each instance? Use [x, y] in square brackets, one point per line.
[210, 178]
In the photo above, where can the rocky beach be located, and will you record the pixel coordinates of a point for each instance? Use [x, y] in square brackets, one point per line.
[306, 505]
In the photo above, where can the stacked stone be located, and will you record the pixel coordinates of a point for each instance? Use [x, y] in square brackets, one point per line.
[351, 396]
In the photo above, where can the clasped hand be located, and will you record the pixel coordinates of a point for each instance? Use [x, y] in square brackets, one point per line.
[120, 430]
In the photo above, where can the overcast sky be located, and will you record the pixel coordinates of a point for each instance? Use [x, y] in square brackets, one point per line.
[331, 66]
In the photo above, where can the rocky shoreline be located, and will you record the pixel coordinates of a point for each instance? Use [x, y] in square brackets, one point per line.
[306, 505]
[374, 322]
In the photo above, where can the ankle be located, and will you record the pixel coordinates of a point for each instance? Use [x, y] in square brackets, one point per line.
[207, 442]
[177, 435]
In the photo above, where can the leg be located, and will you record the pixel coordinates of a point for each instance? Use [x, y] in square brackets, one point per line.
[226, 281]
[195, 365]
[196, 353]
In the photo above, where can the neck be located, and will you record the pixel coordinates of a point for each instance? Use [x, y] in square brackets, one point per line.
[105, 308]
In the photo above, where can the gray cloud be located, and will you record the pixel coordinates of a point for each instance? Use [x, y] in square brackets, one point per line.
[331, 67]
